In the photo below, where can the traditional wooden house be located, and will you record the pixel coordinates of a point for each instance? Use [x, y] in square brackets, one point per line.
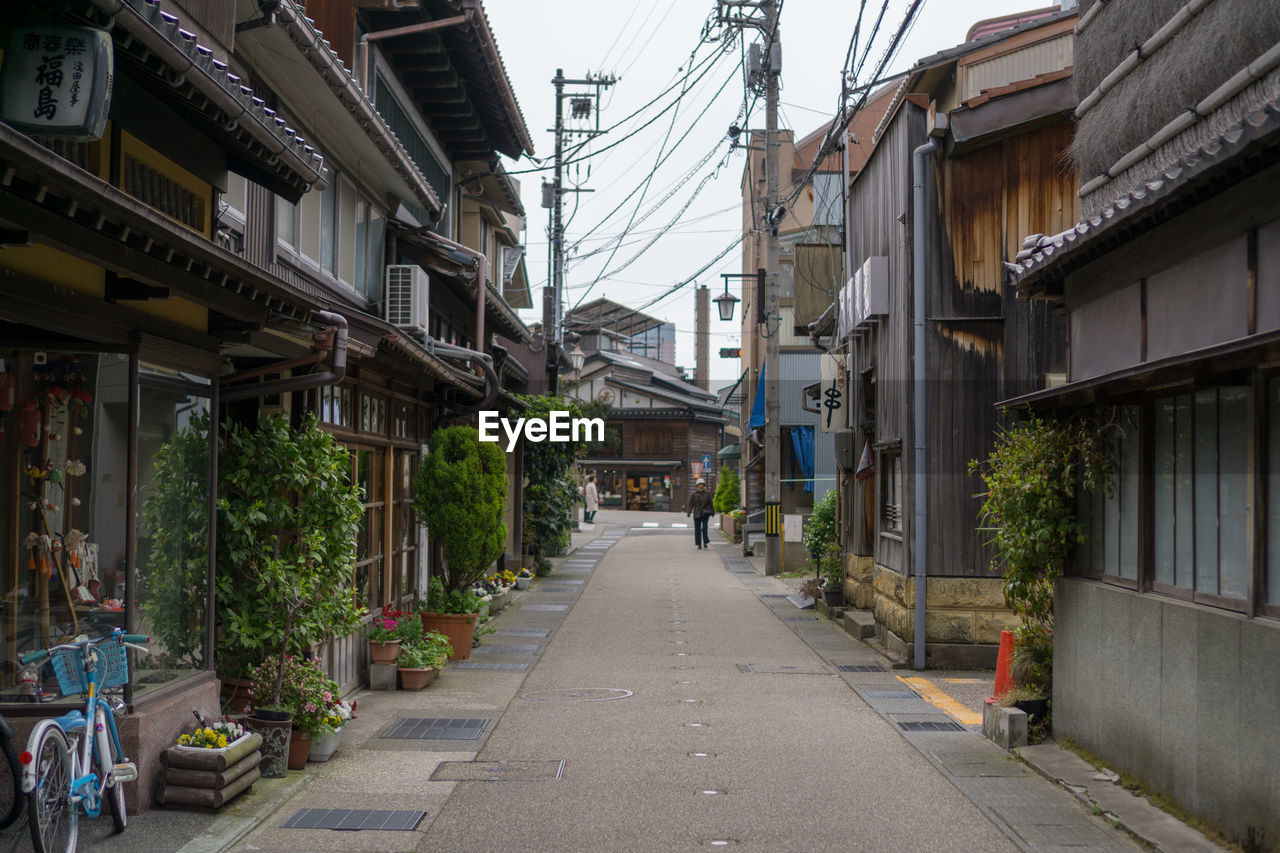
[1167, 626]
[980, 131]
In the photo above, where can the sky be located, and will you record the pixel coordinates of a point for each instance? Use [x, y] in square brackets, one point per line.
[665, 196]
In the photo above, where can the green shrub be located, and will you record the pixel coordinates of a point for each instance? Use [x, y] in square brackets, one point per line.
[726, 497]
[461, 492]
[551, 491]
[820, 530]
[432, 650]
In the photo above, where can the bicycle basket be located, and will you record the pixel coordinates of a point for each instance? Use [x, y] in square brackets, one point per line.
[113, 667]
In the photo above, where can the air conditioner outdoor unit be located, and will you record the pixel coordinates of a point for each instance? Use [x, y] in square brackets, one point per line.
[407, 294]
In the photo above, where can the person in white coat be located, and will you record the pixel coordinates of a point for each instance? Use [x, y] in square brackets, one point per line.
[591, 496]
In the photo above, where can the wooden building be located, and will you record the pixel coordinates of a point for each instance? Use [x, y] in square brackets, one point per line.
[999, 107]
[1167, 625]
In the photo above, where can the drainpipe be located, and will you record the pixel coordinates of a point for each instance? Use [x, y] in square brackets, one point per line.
[481, 282]
[426, 26]
[332, 376]
[920, 161]
[491, 383]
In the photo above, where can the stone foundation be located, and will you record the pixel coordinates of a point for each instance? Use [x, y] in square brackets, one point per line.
[963, 619]
[858, 590]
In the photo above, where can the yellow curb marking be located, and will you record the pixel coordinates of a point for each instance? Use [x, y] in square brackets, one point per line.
[964, 680]
[934, 696]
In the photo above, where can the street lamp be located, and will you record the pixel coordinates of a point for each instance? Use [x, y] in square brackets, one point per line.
[725, 303]
[577, 358]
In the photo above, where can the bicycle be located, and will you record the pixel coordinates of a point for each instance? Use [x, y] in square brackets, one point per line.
[11, 801]
[68, 766]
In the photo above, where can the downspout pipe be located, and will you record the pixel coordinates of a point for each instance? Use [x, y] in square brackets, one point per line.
[921, 159]
[337, 368]
[491, 383]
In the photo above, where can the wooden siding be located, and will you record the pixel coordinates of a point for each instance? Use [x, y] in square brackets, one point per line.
[337, 21]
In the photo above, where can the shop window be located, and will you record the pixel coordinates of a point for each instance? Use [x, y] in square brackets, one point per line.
[1112, 515]
[65, 432]
[335, 405]
[1201, 482]
[369, 550]
[373, 414]
[404, 530]
[402, 420]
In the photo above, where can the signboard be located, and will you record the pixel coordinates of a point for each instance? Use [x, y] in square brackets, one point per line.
[793, 528]
[706, 462]
[57, 81]
[833, 394]
[866, 295]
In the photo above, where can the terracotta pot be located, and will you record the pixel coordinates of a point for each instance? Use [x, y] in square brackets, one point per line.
[274, 726]
[417, 679]
[299, 749]
[384, 652]
[458, 627]
[526, 561]
[235, 693]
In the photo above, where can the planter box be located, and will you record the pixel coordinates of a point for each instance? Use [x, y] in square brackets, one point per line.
[210, 777]
[324, 746]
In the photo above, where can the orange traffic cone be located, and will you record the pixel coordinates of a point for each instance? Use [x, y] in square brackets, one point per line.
[1003, 680]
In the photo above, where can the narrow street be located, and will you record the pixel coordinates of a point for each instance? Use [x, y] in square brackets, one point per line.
[648, 696]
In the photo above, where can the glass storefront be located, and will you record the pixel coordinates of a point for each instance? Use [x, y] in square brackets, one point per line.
[66, 431]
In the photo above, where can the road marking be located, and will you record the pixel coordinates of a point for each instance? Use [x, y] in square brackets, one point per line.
[680, 525]
[934, 695]
[966, 680]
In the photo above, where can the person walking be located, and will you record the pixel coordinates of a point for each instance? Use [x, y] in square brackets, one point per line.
[592, 498]
[699, 507]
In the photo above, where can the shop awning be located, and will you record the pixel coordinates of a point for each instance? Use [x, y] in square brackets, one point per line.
[757, 404]
[729, 451]
[632, 463]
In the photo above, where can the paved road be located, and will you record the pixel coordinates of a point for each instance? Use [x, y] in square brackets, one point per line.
[701, 753]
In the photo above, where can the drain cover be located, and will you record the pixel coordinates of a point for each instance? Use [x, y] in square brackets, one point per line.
[544, 607]
[890, 694]
[766, 669]
[522, 632]
[352, 820]
[932, 727]
[576, 694]
[513, 649]
[799, 618]
[860, 667]
[498, 771]
[437, 728]
[504, 667]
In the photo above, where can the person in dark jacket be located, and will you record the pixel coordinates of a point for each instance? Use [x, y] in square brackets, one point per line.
[699, 507]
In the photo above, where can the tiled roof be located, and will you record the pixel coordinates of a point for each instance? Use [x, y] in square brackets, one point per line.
[1056, 254]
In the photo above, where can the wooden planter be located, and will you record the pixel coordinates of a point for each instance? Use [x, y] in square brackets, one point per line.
[417, 679]
[210, 777]
[460, 628]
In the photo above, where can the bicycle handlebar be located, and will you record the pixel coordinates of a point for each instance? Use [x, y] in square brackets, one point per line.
[131, 640]
[32, 657]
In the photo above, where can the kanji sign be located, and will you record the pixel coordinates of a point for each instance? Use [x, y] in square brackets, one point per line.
[833, 394]
[57, 81]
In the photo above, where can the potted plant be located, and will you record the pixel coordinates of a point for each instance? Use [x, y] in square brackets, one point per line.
[725, 501]
[453, 613]
[422, 660]
[523, 578]
[326, 741]
[461, 492]
[388, 631]
[210, 765]
[831, 569]
[309, 701]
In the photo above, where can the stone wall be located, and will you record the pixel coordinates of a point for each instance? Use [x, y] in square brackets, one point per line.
[1180, 695]
[963, 620]
[858, 590]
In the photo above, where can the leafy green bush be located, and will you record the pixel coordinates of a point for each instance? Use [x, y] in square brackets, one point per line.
[288, 517]
[452, 601]
[1032, 477]
[432, 650]
[726, 497]
[820, 530]
[461, 492]
[550, 492]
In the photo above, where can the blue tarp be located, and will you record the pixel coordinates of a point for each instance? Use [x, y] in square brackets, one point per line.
[802, 444]
[757, 405]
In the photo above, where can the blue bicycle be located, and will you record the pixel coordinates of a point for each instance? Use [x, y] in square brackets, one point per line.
[69, 766]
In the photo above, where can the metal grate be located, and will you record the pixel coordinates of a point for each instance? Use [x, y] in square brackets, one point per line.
[932, 727]
[512, 649]
[498, 771]
[437, 728]
[354, 820]
[544, 607]
[799, 618]
[505, 667]
[522, 632]
[860, 667]
[558, 587]
[774, 595]
[890, 694]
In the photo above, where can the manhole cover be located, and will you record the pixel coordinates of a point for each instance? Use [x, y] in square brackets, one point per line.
[498, 771]
[437, 728]
[352, 820]
[577, 694]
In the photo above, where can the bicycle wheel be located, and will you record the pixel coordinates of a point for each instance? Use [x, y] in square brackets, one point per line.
[54, 819]
[107, 758]
[10, 785]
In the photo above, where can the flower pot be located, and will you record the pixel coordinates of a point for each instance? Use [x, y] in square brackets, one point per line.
[522, 583]
[324, 746]
[196, 776]
[235, 693]
[500, 600]
[417, 679]
[274, 726]
[458, 627]
[384, 652]
[526, 561]
[299, 749]
[833, 596]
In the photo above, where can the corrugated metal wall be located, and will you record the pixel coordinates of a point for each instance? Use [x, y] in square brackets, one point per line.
[1023, 64]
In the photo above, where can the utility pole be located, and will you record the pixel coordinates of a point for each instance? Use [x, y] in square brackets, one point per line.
[582, 105]
[739, 13]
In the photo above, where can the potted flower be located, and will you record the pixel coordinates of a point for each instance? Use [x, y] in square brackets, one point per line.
[326, 742]
[298, 694]
[460, 491]
[210, 765]
[388, 630]
[421, 661]
[523, 579]
[831, 567]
